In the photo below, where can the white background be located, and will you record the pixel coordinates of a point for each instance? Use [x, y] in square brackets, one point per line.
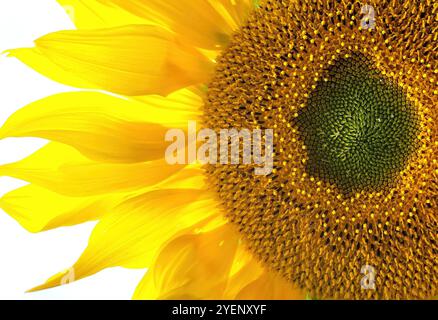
[26, 259]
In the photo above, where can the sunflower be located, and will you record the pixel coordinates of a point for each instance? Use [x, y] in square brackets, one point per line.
[350, 90]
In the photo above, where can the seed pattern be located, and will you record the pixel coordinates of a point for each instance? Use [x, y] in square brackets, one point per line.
[302, 225]
[359, 129]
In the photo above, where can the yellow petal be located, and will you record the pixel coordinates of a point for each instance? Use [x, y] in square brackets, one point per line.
[238, 10]
[92, 123]
[192, 266]
[38, 209]
[64, 170]
[270, 286]
[250, 280]
[131, 235]
[191, 177]
[44, 65]
[131, 60]
[91, 14]
[244, 271]
[203, 23]
[175, 109]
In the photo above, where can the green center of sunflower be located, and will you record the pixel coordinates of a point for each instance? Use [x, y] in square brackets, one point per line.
[359, 128]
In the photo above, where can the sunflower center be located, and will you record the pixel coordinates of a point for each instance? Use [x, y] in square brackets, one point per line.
[358, 127]
[351, 116]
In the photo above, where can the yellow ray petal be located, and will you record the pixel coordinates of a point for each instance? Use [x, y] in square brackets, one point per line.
[131, 60]
[192, 266]
[94, 127]
[270, 286]
[176, 109]
[238, 10]
[38, 209]
[64, 170]
[244, 271]
[249, 279]
[131, 235]
[91, 14]
[172, 111]
[44, 65]
[203, 23]
[191, 177]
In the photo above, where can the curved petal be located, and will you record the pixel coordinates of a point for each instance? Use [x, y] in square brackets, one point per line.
[191, 177]
[131, 60]
[211, 264]
[171, 111]
[250, 280]
[238, 10]
[38, 209]
[92, 14]
[177, 108]
[131, 235]
[270, 286]
[91, 123]
[64, 170]
[193, 266]
[244, 271]
[203, 23]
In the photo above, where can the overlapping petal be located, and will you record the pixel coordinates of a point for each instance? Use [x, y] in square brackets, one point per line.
[270, 286]
[64, 170]
[130, 60]
[212, 264]
[203, 23]
[131, 235]
[38, 209]
[102, 127]
[193, 266]
[92, 14]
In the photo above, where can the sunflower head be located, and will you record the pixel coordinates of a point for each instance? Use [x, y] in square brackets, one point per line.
[349, 88]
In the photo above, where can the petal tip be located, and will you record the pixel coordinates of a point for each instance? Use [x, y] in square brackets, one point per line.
[60, 279]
